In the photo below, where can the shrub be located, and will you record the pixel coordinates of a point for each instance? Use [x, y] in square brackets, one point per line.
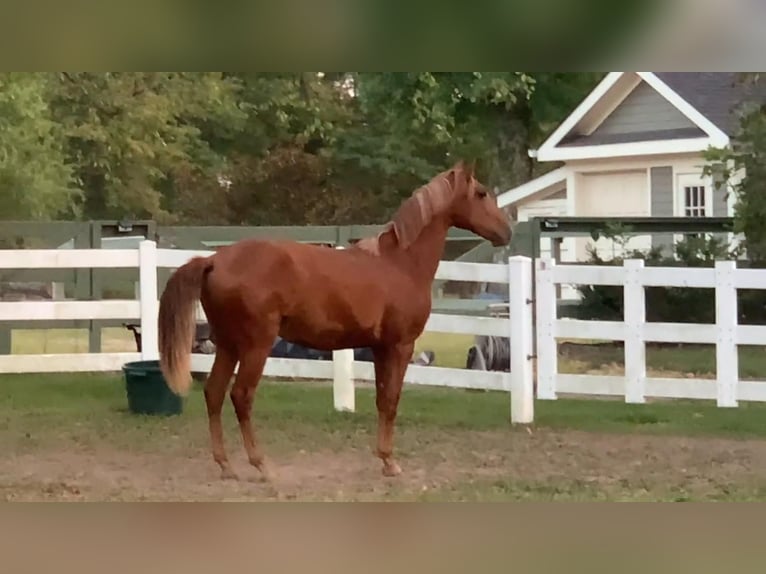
[671, 304]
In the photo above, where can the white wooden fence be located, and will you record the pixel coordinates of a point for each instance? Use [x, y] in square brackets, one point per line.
[635, 331]
[343, 370]
[635, 386]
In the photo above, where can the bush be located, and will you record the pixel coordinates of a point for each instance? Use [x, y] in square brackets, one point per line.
[671, 304]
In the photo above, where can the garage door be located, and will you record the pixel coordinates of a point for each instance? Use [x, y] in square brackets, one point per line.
[623, 194]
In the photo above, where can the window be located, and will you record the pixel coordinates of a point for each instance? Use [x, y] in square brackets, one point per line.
[693, 198]
[693, 195]
[694, 201]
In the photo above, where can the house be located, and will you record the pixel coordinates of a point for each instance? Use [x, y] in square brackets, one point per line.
[634, 147]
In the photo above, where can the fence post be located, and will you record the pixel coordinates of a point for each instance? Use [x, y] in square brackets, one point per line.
[547, 350]
[727, 360]
[521, 333]
[147, 261]
[635, 346]
[343, 377]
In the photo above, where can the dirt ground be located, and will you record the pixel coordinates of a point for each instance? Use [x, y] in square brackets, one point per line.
[538, 465]
[71, 438]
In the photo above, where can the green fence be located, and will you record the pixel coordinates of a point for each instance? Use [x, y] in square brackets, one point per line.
[95, 284]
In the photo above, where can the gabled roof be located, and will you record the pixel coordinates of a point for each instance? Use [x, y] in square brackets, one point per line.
[542, 185]
[700, 106]
[716, 95]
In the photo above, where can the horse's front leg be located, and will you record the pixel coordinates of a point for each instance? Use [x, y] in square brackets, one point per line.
[390, 366]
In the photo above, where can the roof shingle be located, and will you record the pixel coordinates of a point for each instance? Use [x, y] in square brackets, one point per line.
[716, 95]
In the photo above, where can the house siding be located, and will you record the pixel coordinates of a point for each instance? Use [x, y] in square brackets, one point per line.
[644, 110]
[661, 186]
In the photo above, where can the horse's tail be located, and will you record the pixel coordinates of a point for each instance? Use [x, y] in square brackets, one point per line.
[176, 322]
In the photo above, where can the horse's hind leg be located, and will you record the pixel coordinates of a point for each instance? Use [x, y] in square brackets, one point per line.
[252, 362]
[215, 392]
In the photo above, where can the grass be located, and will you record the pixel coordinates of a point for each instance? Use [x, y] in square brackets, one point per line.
[451, 351]
[578, 449]
[686, 360]
[65, 400]
[673, 418]
[45, 341]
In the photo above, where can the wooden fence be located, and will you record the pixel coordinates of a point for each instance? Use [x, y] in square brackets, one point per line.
[96, 284]
[343, 370]
[516, 274]
[726, 334]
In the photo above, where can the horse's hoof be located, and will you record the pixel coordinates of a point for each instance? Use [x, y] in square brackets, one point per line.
[391, 469]
[263, 469]
[228, 474]
[265, 476]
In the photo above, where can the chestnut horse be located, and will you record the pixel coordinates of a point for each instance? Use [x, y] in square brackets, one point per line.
[375, 294]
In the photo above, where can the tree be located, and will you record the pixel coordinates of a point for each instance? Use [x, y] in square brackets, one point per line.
[35, 180]
[266, 148]
[327, 147]
[426, 120]
[746, 158]
[129, 132]
[417, 122]
[283, 169]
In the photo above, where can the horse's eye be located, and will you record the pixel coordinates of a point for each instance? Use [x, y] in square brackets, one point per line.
[481, 194]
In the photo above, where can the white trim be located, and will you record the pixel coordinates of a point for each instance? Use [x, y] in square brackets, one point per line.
[682, 179]
[549, 151]
[571, 193]
[569, 245]
[656, 147]
[692, 162]
[674, 171]
[532, 186]
[579, 112]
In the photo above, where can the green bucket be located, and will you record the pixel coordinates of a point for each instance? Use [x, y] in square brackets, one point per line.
[148, 393]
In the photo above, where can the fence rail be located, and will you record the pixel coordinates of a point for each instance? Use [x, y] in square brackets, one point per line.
[93, 281]
[544, 330]
[726, 334]
[342, 370]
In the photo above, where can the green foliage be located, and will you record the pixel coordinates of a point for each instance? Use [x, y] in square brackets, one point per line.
[262, 148]
[35, 180]
[742, 168]
[430, 119]
[128, 132]
[289, 107]
[423, 121]
[554, 97]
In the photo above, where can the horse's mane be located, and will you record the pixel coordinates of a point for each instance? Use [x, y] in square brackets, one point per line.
[415, 214]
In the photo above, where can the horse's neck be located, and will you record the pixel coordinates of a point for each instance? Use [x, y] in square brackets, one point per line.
[423, 256]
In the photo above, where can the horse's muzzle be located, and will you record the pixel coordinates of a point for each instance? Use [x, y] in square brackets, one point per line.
[502, 239]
